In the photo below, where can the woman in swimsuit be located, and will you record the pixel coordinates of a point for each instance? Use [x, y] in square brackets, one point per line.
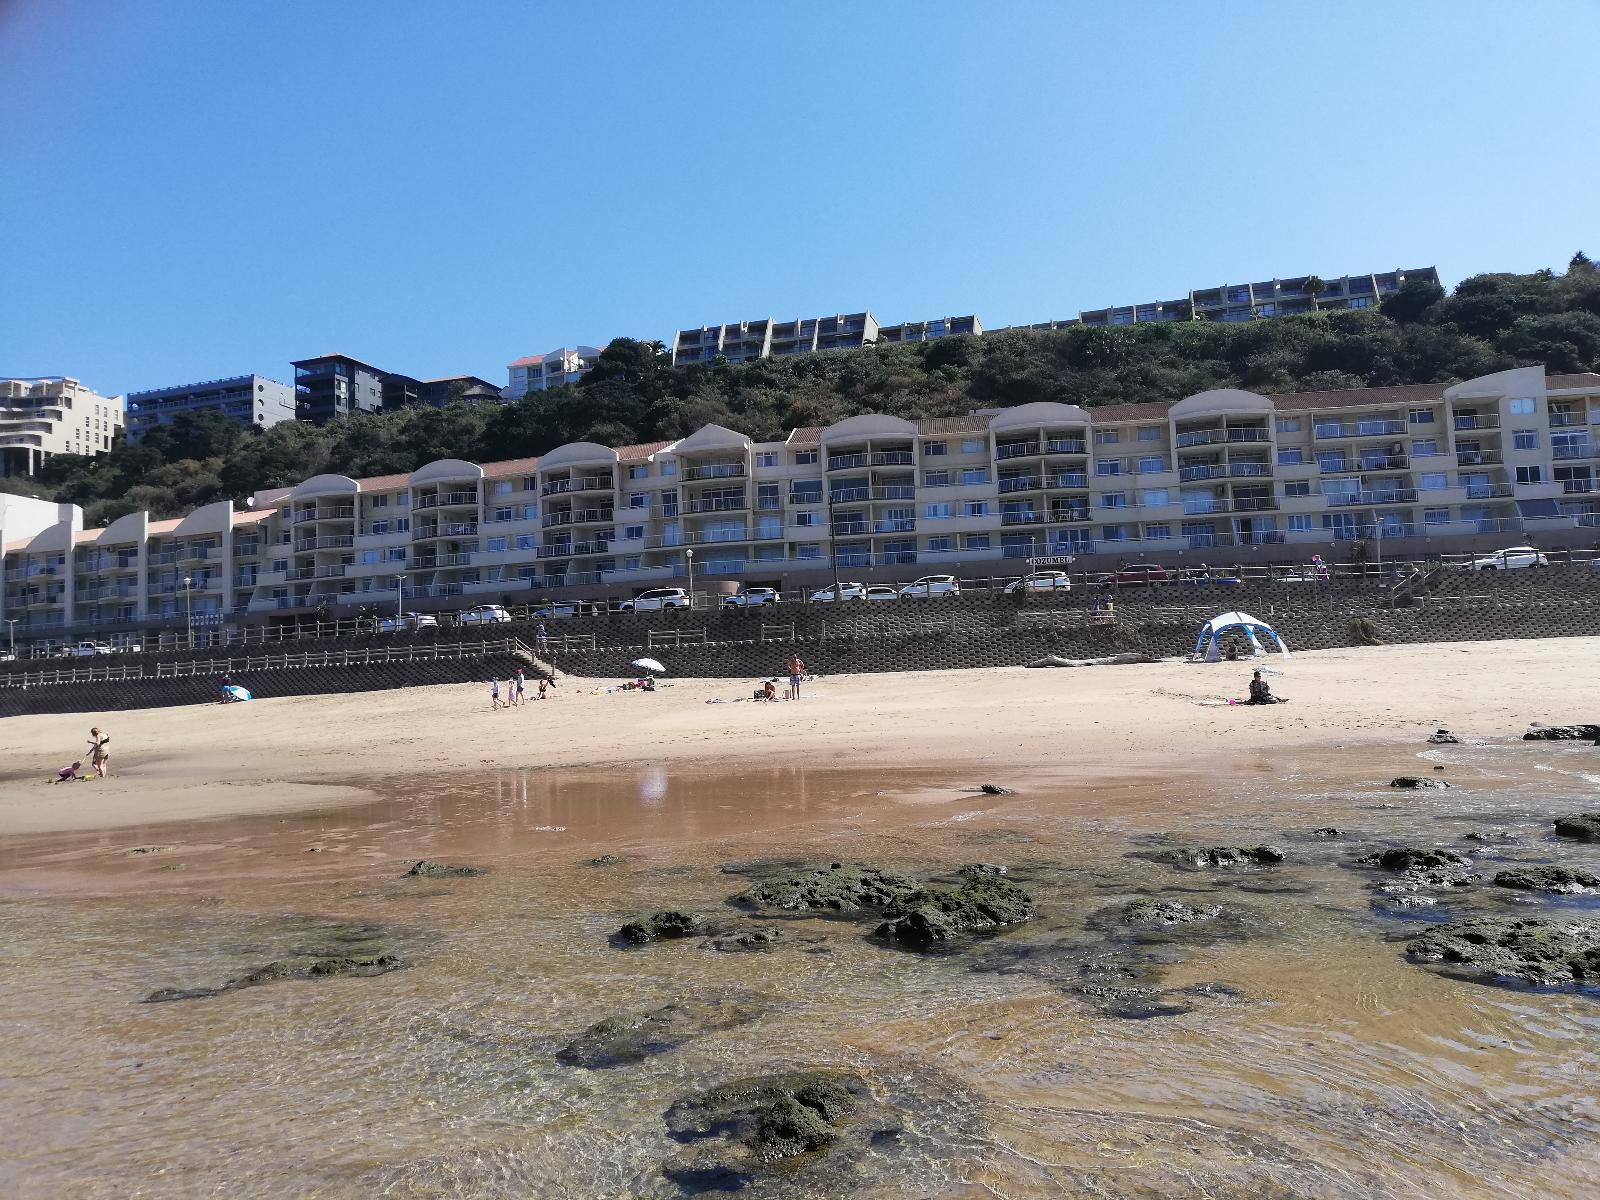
[99, 756]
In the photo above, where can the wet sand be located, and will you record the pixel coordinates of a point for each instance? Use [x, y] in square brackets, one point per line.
[1312, 1060]
[322, 751]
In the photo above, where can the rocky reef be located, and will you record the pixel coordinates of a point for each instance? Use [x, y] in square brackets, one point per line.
[1537, 951]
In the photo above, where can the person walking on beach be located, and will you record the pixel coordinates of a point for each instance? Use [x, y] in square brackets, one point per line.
[494, 693]
[797, 674]
[542, 640]
[518, 687]
[99, 755]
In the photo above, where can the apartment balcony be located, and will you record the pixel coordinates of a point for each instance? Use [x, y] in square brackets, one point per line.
[1254, 503]
[551, 520]
[164, 558]
[723, 470]
[594, 516]
[715, 504]
[1215, 437]
[1066, 445]
[559, 487]
[1566, 420]
[200, 553]
[448, 500]
[1483, 421]
[332, 571]
[846, 462]
[1195, 508]
[892, 458]
[457, 529]
[1017, 450]
[433, 561]
[1488, 491]
[898, 525]
[1324, 430]
[1383, 462]
[1248, 470]
[849, 495]
[1021, 483]
[1025, 516]
[849, 528]
[894, 558]
[1581, 450]
[332, 541]
[1202, 471]
[1478, 458]
[1392, 496]
[1067, 481]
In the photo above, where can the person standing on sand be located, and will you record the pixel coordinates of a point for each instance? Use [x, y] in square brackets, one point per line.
[494, 693]
[797, 674]
[99, 756]
[542, 640]
[518, 686]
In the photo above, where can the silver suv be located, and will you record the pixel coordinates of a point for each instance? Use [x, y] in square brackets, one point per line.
[656, 599]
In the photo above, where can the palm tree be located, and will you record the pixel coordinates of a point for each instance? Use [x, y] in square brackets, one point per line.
[1313, 285]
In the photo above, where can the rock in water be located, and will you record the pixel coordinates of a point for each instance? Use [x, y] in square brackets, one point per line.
[1223, 856]
[1560, 880]
[770, 1120]
[744, 941]
[1562, 733]
[1412, 781]
[1157, 913]
[633, 1037]
[994, 789]
[1443, 737]
[934, 914]
[428, 869]
[840, 887]
[1406, 858]
[1583, 826]
[606, 860]
[277, 972]
[1327, 831]
[668, 923]
[1545, 953]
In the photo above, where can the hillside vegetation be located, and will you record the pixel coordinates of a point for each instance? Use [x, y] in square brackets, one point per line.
[1419, 335]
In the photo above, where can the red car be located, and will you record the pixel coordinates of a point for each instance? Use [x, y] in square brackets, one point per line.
[1132, 575]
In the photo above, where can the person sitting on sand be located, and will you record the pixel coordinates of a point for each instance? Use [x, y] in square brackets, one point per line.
[1260, 691]
[68, 773]
[769, 691]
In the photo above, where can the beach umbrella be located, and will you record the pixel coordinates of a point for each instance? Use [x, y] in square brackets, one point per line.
[649, 664]
[237, 692]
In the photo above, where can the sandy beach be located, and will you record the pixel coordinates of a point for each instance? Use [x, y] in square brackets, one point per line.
[305, 752]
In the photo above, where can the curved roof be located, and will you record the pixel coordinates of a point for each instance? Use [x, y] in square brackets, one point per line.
[447, 468]
[574, 453]
[711, 437]
[869, 425]
[1220, 400]
[1037, 415]
[1520, 381]
[324, 485]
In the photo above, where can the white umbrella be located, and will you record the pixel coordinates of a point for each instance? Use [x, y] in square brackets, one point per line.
[649, 664]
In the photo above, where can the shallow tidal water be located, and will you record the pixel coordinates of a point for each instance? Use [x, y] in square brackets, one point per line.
[1289, 1050]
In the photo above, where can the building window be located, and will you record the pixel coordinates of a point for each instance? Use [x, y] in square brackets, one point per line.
[808, 550]
[806, 491]
[378, 502]
[1149, 433]
[807, 520]
[526, 541]
[936, 479]
[940, 545]
[1291, 456]
[668, 467]
[1525, 439]
[530, 512]
[495, 545]
[368, 557]
[1153, 498]
[975, 508]
[1528, 474]
[397, 554]
[632, 533]
[805, 458]
[977, 541]
[1436, 516]
[1108, 466]
[767, 458]
[934, 449]
[1298, 522]
[1114, 533]
[1152, 464]
[1288, 424]
[530, 483]
[1421, 416]
[1157, 532]
[639, 500]
[970, 475]
[1424, 447]
[1114, 500]
[974, 446]
[937, 512]
[1521, 406]
[631, 562]
[1433, 481]
[1107, 437]
[502, 487]
[504, 514]
[639, 471]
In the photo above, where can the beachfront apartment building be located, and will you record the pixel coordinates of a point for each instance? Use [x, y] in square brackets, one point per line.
[53, 415]
[766, 338]
[539, 372]
[1259, 301]
[252, 400]
[1223, 476]
[928, 331]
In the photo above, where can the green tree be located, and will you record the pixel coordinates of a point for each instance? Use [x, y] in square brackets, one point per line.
[1314, 285]
[1412, 302]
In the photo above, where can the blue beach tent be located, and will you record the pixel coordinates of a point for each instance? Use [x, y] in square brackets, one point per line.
[1209, 644]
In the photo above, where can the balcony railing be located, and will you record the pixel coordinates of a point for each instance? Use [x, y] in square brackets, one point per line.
[448, 530]
[1383, 462]
[849, 495]
[716, 504]
[898, 525]
[449, 500]
[1067, 479]
[1488, 491]
[846, 462]
[1477, 458]
[1202, 471]
[1573, 450]
[1066, 446]
[1020, 483]
[1026, 516]
[1213, 437]
[1016, 450]
[332, 541]
[1477, 421]
[1254, 503]
[893, 458]
[849, 528]
[1350, 429]
[441, 560]
[1392, 496]
[1247, 470]
[1062, 516]
[723, 470]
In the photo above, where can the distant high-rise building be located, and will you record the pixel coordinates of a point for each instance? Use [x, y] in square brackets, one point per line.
[53, 414]
[538, 372]
[767, 338]
[334, 385]
[252, 400]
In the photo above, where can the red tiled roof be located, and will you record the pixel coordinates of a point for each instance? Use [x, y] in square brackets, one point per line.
[1411, 393]
[1126, 412]
[250, 518]
[1586, 380]
[806, 435]
[510, 466]
[972, 423]
[527, 361]
[641, 451]
[379, 483]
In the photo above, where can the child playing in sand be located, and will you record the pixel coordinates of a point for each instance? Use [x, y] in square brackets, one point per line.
[494, 693]
[67, 773]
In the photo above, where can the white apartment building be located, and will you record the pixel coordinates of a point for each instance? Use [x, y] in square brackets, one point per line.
[53, 415]
[537, 372]
[1225, 475]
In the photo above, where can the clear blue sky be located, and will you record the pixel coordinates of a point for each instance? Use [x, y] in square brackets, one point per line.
[194, 188]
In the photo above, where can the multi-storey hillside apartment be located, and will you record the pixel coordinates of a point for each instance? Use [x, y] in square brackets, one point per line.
[538, 372]
[927, 331]
[1228, 475]
[53, 415]
[773, 339]
[333, 385]
[247, 399]
[1270, 298]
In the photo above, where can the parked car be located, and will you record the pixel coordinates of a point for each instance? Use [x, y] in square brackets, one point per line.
[1040, 581]
[1511, 558]
[880, 591]
[655, 599]
[89, 650]
[848, 590]
[931, 585]
[1133, 575]
[756, 597]
[551, 609]
[1285, 574]
[1201, 576]
[7, 656]
[485, 614]
[405, 621]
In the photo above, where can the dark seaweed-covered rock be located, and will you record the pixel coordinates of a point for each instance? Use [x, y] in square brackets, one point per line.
[658, 926]
[932, 915]
[1327, 831]
[428, 869]
[840, 888]
[1489, 835]
[1562, 733]
[994, 789]
[633, 1037]
[1545, 953]
[744, 941]
[1443, 737]
[277, 972]
[606, 860]
[1222, 856]
[1154, 914]
[771, 1121]
[1561, 880]
[1414, 781]
[1583, 826]
[1406, 858]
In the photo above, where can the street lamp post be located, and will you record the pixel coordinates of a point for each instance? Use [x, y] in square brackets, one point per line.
[188, 610]
[11, 635]
[689, 554]
[400, 600]
[833, 553]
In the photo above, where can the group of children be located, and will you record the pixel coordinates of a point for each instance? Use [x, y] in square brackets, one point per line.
[516, 690]
[99, 759]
